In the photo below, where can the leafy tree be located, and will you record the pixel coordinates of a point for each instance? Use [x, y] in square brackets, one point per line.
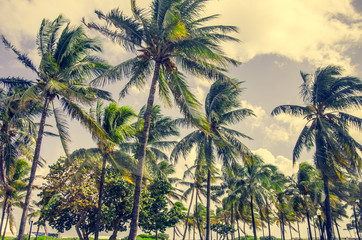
[155, 215]
[166, 38]
[221, 108]
[327, 96]
[70, 197]
[64, 66]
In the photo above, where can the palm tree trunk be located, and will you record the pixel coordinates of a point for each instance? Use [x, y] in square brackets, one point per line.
[115, 228]
[298, 230]
[237, 225]
[197, 218]
[262, 227]
[252, 216]
[339, 236]
[33, 169]
[356, 222]
[310, 230]
[232, 221]
[156, 235]
[31, 227]
[100, 196]
[37, 232]
[208, 201]
[290, 230]
[283, 227]
[4, 211]
[6, 223]
[188, 214]
[142, 154]
[327, 204]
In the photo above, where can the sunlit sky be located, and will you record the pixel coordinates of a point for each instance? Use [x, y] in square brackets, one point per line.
[279, 38]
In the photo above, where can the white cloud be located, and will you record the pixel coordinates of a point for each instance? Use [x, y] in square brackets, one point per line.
[316, 31]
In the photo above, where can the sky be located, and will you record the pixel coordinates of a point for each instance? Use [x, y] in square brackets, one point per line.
[279, 38]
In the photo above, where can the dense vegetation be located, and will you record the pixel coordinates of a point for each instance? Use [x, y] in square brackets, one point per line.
[127, 182]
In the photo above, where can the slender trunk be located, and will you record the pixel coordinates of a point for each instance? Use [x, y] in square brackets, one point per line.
[194, 232]
[100, 196]
[245, 230]
[232, 221]
[208, 202]
[31, 226]
[310, 230]
[156, 235]
[327, 204]
[237, 225]
[315, 232]
[37, 232]
[188, 214]
[298, 230]
[252, 216]
[339, 236]
[5, 203]
[283, 227]
[356, 222]
[174, 233]
[197, 218]
[6, 224]
[77, 227]
[142, 153]
[33, 169]
[321, 227]
[290, 230]
[262, 227]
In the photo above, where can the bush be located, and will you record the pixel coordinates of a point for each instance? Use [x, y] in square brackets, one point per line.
[267, 238]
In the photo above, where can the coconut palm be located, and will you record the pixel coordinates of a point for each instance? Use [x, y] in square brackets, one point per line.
[64, 66]
[327, 96]
[250, 187]
[221, 108]
[166, 38]
[116, 123]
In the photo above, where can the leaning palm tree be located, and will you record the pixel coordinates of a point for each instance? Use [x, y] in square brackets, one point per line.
[222, 108]
[116, 123]
[64, 66]
[327, 96]
[166, 38]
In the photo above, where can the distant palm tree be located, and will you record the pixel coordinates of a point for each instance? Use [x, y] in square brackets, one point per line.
[166, 38]
[327, 95]
[65, 64]
[249, 185]
[222, 108]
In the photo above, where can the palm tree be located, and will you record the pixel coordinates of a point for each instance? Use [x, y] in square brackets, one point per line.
[250, 179]
[327, 95]
[167, 36]
[13, 192]
[222, 108]
[115, 122]
[65, 64]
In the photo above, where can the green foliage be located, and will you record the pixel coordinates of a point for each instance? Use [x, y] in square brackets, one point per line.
[155, 214]
[267, 238]
[222, 229]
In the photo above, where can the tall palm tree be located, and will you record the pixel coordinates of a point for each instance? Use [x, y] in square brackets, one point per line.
[221, 108]
[327, 96]
[116, 123]
[166, 38]
[65, 64]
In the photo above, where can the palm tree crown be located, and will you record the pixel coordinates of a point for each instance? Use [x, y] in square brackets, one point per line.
[328, 95]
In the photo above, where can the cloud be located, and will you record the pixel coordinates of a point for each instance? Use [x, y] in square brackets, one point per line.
[284, 164]
[317, 31]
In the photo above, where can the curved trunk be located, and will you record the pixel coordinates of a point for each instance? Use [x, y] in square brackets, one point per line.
[290, 231]
[188, 214]
[115, 229]
[31, 227]
[142, 153]
[339, 236]
[37, 232]
[309, 227]
[356, 222]
[252, 216]
[100, 196]
[208, 201]
[34, 166]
